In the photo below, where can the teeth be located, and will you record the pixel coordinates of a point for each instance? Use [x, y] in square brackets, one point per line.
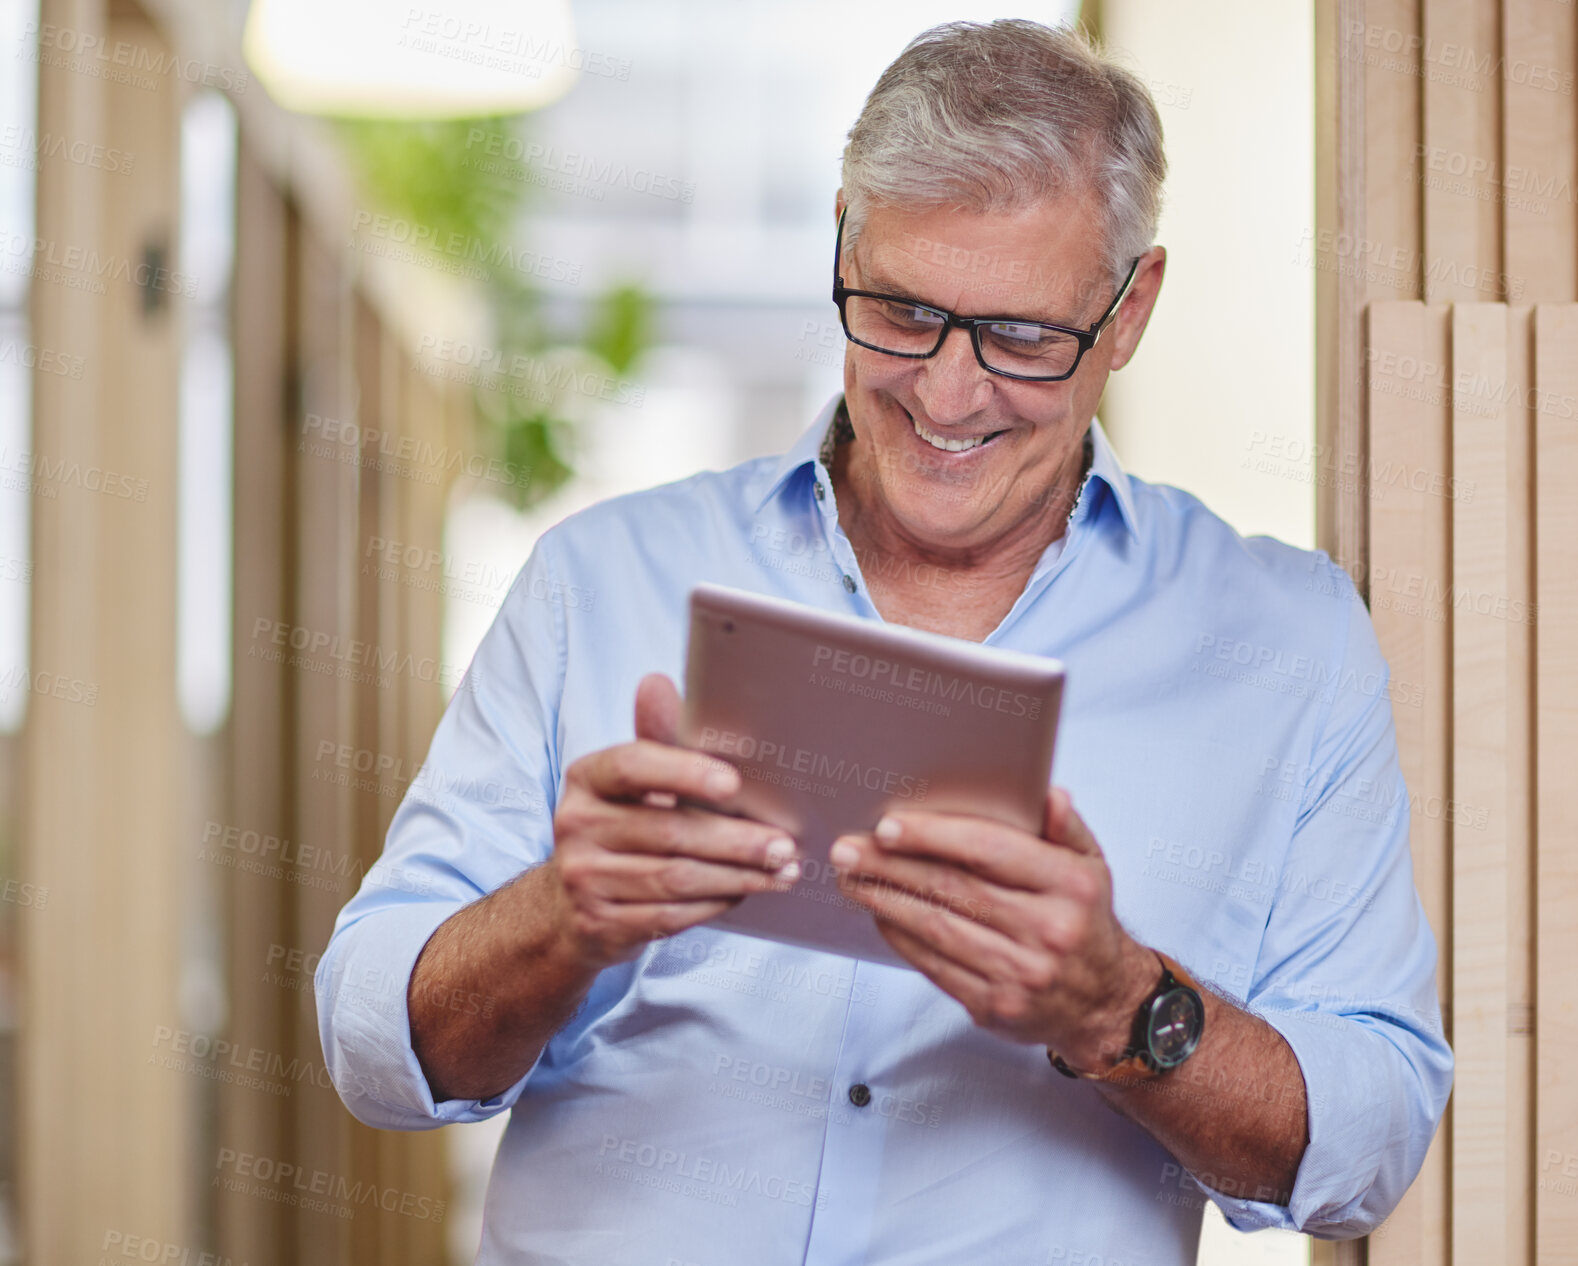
[947, 445]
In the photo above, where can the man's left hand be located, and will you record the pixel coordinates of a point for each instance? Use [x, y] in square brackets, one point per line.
[1019, 928]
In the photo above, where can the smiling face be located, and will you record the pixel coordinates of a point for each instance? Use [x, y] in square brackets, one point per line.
[949, 459]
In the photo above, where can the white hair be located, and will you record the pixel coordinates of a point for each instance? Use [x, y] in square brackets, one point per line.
[1000, 116]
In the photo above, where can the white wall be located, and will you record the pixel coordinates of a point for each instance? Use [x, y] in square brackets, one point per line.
[1226, 374]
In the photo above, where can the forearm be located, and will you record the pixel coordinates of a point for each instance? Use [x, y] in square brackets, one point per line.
[492, 985]
[1234, 1113]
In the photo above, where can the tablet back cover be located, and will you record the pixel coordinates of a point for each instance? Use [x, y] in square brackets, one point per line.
[832, 720]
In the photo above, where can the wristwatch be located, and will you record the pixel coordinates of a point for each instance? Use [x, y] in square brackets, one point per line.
[1167, 1030]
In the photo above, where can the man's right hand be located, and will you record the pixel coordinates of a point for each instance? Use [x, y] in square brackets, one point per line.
[631, 861]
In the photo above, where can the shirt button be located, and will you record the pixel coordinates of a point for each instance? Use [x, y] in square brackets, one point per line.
[849, 582]
[860, 1094]
[820, 491]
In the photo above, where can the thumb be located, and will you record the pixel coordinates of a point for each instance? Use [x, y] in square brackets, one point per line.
[1063, 826]
[657, 709]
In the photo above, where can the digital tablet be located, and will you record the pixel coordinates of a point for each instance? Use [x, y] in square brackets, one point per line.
[831, 720]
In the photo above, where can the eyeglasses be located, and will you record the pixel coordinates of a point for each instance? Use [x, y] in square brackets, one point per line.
[1031, 351]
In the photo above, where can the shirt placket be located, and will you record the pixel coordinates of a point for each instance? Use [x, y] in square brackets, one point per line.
[855, 1142]
[838, 545]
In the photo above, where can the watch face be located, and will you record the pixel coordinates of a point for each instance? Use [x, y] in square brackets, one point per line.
[1177, 1018]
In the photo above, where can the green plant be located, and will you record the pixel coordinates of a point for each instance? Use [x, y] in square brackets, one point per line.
[429, 173]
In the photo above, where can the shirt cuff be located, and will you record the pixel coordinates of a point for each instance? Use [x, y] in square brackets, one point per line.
[1351, 1097]
[365, 1023]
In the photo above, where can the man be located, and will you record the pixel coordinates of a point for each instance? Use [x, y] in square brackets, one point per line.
[1213, 980]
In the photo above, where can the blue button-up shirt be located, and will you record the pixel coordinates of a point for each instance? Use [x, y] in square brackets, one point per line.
[1227, 734]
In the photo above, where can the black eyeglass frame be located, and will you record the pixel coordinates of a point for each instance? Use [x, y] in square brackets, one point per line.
[1086, 338]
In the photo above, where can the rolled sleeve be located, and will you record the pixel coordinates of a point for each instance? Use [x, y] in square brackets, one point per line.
[1347, 968]
[367, 1026]
[477, 815]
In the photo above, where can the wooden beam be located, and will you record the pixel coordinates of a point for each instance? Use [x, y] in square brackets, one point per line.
[1369, 233]
[1480, 670]
[56, 1046]
[1555, 1192]
[323, 601]
[106, 1101]
[1410, 567]
[250, 1229]
[1461, 68]
[1511, 604]
[1536, 174]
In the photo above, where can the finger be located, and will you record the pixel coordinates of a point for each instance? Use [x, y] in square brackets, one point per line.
[937, 885]
[631, 877]
[954, 979]
[998, 853]
[657, 709]
[694, 833]
[1063, 826]
[987, 951]
[646, 921]
[629, 771]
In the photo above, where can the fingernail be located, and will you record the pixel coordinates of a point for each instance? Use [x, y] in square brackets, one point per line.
[779, 852]
[788, 874]
[843, 854]
[889, 830]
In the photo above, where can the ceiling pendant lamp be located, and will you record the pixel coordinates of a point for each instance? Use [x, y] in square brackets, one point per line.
[394, 59]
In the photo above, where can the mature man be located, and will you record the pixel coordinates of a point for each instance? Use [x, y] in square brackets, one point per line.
[682, 1094]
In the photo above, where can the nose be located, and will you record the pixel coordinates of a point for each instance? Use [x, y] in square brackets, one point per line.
[952, 386]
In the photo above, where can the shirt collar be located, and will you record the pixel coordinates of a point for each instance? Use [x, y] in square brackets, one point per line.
[804, 452]
[1104, 464]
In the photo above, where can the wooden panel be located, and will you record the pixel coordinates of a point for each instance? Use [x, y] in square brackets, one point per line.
[1394, 122]
[1480, 667]
[424, 410]
[1367, 68]
[317, 365]
[1336, 410]
[1512, 605]
[58, 1047]
[1537, 171]
[323, 604]
[142, 787]
[1484, 158]
[250, 1229]
[1410, 530]
[402, 506]
[1461, 75]
[104, 1120]
[1555, 1194]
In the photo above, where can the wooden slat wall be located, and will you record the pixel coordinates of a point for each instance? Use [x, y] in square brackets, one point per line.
[256, 914]
[314, 359]
[1539, 158]
[1450, 146]
[1555, 1190]
[104, 1125]
[1409, 536]
[1462, 215]
[115, 1140]
[1479, 673]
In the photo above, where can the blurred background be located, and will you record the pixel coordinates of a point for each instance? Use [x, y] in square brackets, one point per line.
[312, 317]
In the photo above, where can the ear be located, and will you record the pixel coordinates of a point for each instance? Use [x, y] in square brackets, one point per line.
[1135, 314]
[839, 203]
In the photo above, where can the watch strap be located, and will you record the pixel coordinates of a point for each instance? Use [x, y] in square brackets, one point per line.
[1134, 1064]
